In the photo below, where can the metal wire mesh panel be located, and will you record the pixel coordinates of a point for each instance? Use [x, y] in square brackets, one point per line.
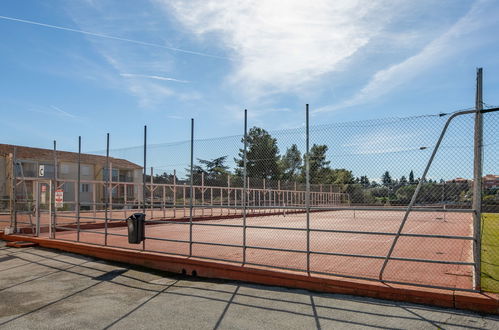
[490, 204]
[390, 200]
[490, 163]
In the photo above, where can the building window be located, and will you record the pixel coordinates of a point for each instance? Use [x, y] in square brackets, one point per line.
[85, 170]
[26, 169]
[84, 188]
[64, 168]
[115, 174]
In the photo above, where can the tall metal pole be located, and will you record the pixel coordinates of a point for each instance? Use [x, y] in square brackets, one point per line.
[78, 190]
[144, 172]
[307, 178]
[477, 178]
[144, 181]
[174, 194]
[191, 187]
[36, 185]
[202, 193]
[54, 222]
[151, 192]
[50, 205]
[107, 189]
[14, 189]
[110, 190]
[245, 187]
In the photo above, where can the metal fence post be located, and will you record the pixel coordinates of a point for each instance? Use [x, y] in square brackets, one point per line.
[107, 189]
[175, 194]
[245, 182]
[50, 206]
[78, 192]
[202, 194]
[477, 179]
[191, 187]
[307, 178]
[144, 182]
[54, 220]
[36, 185]
[14, 190]
[228, 194]
[151, 192]
[110, 191]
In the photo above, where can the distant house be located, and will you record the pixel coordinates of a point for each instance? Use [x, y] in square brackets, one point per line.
[458, 180]
[491, 181]
[37, 165]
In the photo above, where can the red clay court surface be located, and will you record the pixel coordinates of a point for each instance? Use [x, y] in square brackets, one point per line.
[433, 274]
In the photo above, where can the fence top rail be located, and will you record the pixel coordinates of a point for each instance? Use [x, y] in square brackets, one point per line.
[266, 190]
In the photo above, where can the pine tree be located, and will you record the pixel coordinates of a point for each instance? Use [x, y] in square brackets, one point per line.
[262, 155]
[403, 180]
[291, 163]
[386, 179]
[411, 177]
[318, 163]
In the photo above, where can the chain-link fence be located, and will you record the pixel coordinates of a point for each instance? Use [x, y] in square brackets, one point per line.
[390, 199]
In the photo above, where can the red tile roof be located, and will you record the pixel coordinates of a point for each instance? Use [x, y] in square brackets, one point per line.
[48, 155]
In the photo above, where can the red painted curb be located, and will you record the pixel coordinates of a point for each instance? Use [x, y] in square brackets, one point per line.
[21, 244]
[480, 302]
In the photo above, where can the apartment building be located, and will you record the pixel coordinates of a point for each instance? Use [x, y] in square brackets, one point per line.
[35, 167]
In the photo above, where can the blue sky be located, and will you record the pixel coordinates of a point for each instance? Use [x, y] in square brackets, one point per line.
[168, 61]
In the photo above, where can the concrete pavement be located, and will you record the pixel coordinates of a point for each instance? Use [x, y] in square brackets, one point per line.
[48, 289]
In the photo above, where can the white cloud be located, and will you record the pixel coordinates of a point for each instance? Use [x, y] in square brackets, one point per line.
[451, 42]
[96, 6]
[144, 70]
[149, 94]
[133, 75]
[382, 141]
[62, 112]
[282, 46]
[53, 111]
[299, 47]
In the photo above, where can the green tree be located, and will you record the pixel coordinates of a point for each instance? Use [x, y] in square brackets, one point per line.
[215, 170]
[386, 179]
[411, 178]
[318, 164]
[291, 163]
[337, 176]
[262, 155]
[404, 193]
[403, 181]
[161, 178]
[380, 191]
[359, 195]
[364, 181]
[215, 166]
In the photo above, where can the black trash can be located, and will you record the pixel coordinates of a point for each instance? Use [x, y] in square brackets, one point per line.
[136, 228]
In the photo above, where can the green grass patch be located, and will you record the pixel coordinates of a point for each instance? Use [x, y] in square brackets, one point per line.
[490, 252]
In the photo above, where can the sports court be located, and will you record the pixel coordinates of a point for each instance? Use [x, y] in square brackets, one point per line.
[346, 243]
[419, 234]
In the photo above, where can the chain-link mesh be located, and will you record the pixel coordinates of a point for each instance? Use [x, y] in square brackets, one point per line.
[490, 204]
[370, 210]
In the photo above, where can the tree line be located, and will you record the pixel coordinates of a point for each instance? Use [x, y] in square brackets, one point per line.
[264, 161]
